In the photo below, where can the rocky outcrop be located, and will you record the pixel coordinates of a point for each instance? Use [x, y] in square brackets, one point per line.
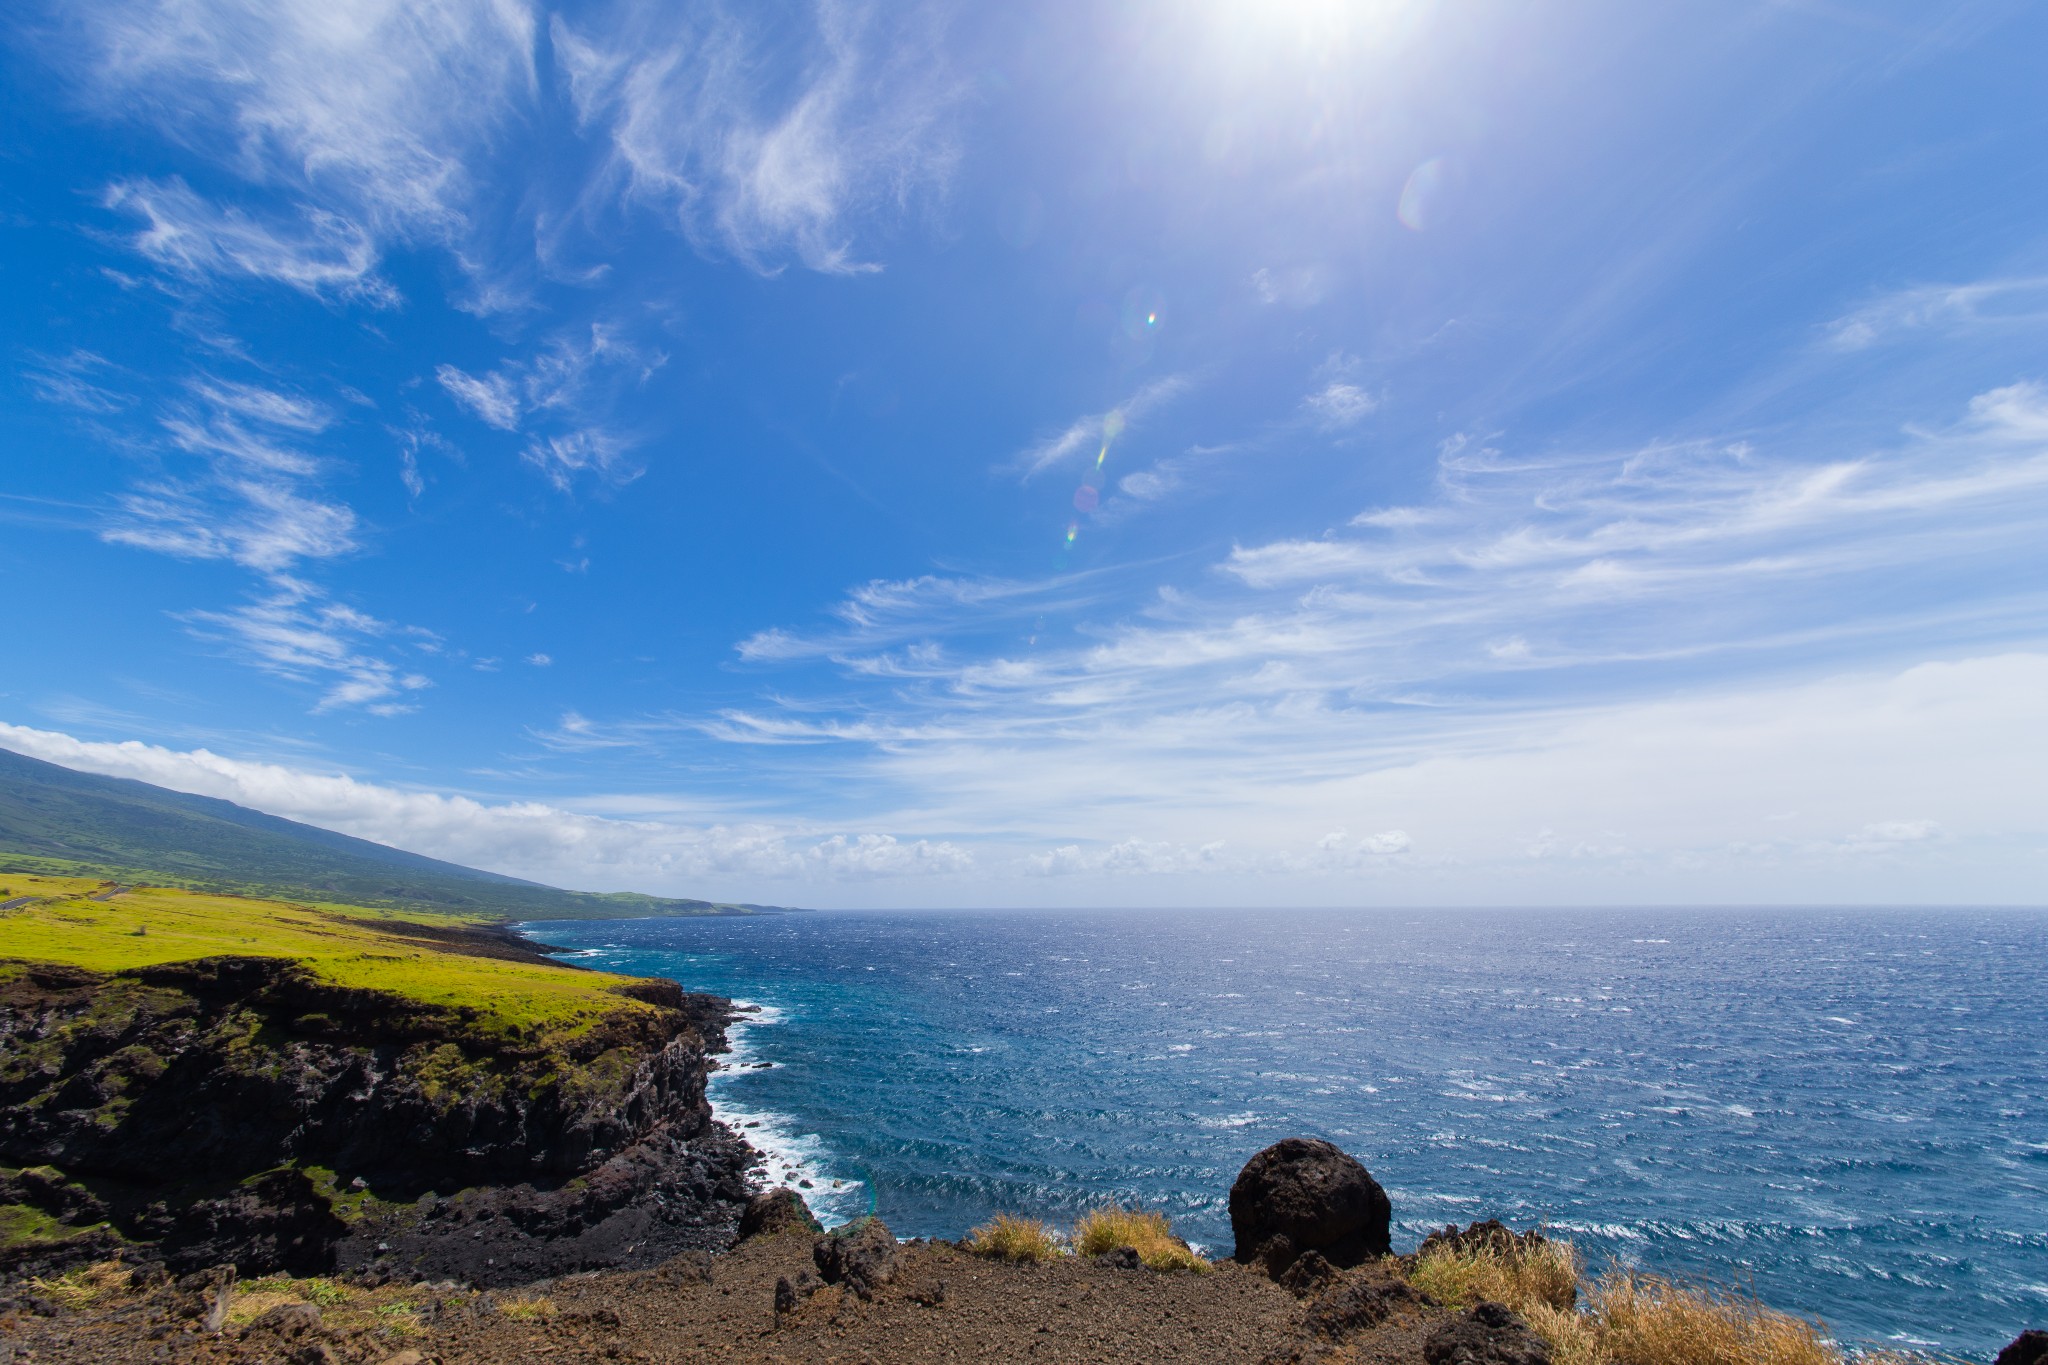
[861, 1256]
[1304, 1194]
[242, 1109]
[777, 1210]
[1490, 1334]
[1491, 1236]
[1359, 1302]
[2028, 1348]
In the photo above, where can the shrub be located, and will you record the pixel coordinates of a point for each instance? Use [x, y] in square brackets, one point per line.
[1009, 1238]
[1148, 1232]
[528, 1309]
[1523, 1277]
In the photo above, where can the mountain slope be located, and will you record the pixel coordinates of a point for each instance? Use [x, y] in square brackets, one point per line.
[146, 832]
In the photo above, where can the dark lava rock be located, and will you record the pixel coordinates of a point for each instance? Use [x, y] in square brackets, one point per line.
[861, 1257]
[1357, 1302]
[1304, 1194]
[1310, 1275]
[777, 1210]
[1491, 1334]
[790, 1293]
[2028, 1348]
[1121, 1258]
[1491, 1235]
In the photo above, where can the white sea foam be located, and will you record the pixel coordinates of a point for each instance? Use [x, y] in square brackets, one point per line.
[789, 1157]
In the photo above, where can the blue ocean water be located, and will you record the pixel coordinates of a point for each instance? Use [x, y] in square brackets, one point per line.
[1846, 1113]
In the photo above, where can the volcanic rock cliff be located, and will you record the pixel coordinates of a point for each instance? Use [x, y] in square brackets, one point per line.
[242, 1109]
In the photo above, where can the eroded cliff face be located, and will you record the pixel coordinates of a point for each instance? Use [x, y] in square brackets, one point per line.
[242, 1109]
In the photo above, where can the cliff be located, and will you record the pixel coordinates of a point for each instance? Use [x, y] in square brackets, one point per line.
[309, 1111]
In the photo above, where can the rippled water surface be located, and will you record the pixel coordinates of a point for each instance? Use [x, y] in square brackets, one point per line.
[1846, 1111]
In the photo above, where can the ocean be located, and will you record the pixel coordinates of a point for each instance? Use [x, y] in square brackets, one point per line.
[1843, 1112]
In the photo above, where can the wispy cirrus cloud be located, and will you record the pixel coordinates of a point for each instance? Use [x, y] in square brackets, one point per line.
[313, 251]
[1086, 435]
[764, 141]
[2010, 302]
[1306, 669]
[372, 110]
[292, 631]
[889, 612]
[235, 474]
[571, 382]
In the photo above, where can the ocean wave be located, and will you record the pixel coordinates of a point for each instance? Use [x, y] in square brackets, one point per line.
[789, 1156]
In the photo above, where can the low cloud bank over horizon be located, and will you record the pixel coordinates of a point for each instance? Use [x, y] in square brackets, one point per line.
[1916, 786]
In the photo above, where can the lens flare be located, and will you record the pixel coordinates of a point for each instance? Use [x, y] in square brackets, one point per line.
[1419, 195]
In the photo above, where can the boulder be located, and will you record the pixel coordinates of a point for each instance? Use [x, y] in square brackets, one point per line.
[777, 1210]
[1491, 1334]
[2028, 1348]
[1304, 1194]
[862, 1257]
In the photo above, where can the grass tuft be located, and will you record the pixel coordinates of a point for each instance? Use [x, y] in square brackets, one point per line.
[1009, 1238]
[77, 1288]
[1628, 1317]
[1525, 1277]
[1645, 1320]
[528, 1308]
[1106, 1229]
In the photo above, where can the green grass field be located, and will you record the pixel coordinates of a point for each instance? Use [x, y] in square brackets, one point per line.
[147, 926]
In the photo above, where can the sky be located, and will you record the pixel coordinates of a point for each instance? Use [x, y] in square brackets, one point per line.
[1218, 452]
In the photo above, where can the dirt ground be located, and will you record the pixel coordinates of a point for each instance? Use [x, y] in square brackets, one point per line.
[941, 1305]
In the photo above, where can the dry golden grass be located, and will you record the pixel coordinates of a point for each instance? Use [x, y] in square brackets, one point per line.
[528, 1308]
[1106, 1229]
[1628, 1317]
[1645, 1320]
[76, 1288]
[1545, 1275]
[1009, 1238]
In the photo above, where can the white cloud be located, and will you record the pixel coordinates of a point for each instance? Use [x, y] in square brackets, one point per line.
[1337, 405]
[1983, 304]
[491, 398]
[1088, 435]
[593, 451]
[561, 382]
[251, 495]
[295, 633]
[531, 839]
[320, 253]
[539, 660]
[373, 107]
[78, 380]
[769, 141]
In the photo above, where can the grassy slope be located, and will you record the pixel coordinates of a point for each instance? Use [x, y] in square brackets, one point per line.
[154, 925]
[56, 820]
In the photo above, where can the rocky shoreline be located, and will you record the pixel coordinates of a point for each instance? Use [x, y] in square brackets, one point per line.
[232, 1158]
[240, 1111]
[1311, 1283]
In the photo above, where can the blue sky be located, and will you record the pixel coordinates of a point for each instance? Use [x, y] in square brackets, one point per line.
[1211, 452]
